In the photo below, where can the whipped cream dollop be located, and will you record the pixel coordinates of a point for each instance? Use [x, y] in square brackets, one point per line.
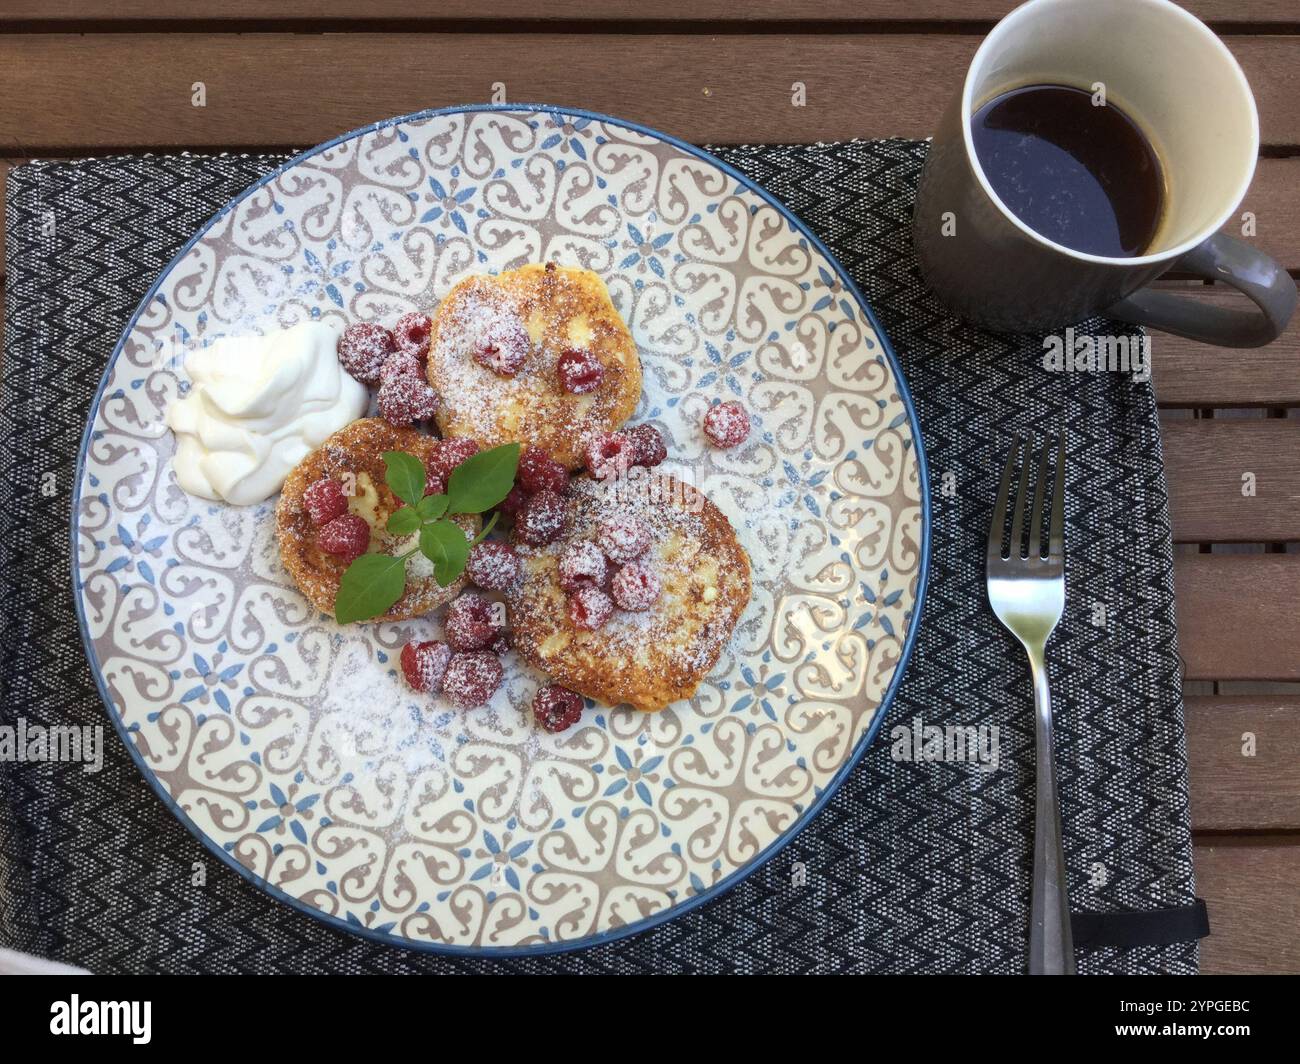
[257, 406]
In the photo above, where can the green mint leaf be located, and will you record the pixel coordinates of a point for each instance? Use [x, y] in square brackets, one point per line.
[444, 544]
[483, 480]
[431, 507]
[486, 529]
[404, 521]
[369, 586]
[405, 476]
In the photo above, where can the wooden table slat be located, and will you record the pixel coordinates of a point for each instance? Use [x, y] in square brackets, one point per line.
[1237, 615]
[1261, 12]
[1249, 887]
[1273, 202]
[1233, 480]
[714, 88]
[1243, 754]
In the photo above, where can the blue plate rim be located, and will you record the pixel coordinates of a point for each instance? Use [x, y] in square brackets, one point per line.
[678, 910]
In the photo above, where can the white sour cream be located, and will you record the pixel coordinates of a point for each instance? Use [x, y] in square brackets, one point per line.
[257, 406]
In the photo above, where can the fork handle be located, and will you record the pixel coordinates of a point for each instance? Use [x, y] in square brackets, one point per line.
[1051, 947]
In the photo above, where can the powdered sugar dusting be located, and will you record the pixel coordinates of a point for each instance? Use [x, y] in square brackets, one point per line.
[671, 644]
[472, 392]
[554, 311]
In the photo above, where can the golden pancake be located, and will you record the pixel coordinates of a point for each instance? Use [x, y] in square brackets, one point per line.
[649, 658]
[354, 456]
[560, 309]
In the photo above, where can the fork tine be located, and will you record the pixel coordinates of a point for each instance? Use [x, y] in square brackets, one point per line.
[1040, 499]
[1056, 543]
[1018, 517]
[999, 522]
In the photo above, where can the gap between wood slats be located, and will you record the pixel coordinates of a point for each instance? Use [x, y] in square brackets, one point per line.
[270, 89]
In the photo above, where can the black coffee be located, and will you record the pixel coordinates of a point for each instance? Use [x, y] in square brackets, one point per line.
[1082, 175]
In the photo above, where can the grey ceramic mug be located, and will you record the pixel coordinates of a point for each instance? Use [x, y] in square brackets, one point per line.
[1179, 81]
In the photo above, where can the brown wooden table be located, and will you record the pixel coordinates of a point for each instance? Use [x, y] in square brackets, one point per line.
[97, 76]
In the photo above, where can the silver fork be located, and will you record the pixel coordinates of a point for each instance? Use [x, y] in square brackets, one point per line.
[1027, 592]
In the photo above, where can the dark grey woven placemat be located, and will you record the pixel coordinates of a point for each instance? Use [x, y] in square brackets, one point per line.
[910, 867]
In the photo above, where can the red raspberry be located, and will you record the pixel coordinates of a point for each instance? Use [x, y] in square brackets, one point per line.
[363, 348]
[636, 586]
[648, 447]
[583, 565]
[493, 566]
[542, 518]
[726, 424]
[472, 678]
[609, 454]
[324, 501]
[513, 503]
[412, 334]
[404, 398]
[447, 455]
[556, 708]
[589, 608]
[471, 622]
[423, 664]
[504, 347]
[401, 365]
[538, 471]
[580, 372]
[623, 538]
[347, 535]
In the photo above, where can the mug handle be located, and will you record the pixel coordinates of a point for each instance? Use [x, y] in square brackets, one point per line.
[1220, 258]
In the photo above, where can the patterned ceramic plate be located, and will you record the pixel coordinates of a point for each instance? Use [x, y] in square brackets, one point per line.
[292, 748]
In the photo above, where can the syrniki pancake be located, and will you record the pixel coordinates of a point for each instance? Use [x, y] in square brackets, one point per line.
[649, 658]
[354, 456]
[554, 310]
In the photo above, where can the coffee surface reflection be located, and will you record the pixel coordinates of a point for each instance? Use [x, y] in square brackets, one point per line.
[1079, 173]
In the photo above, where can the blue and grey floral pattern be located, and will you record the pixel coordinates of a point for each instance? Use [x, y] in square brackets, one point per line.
[297, 748]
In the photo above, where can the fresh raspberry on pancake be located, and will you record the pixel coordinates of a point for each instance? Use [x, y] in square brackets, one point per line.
[609, 455]
[404, 398]
[538, 471]
[493, 566]
[623, 537]
[447, 455]
[411, 334]
[347, 535]
[472, 678]
[542, 518]
[324, 501]
[583, 565]
[648, 447]
[471, 622]
[580, 372]
[636, 586]
[504, 347]
[589, 608]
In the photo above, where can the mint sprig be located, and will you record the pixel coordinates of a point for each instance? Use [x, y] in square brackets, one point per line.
[373, 582]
